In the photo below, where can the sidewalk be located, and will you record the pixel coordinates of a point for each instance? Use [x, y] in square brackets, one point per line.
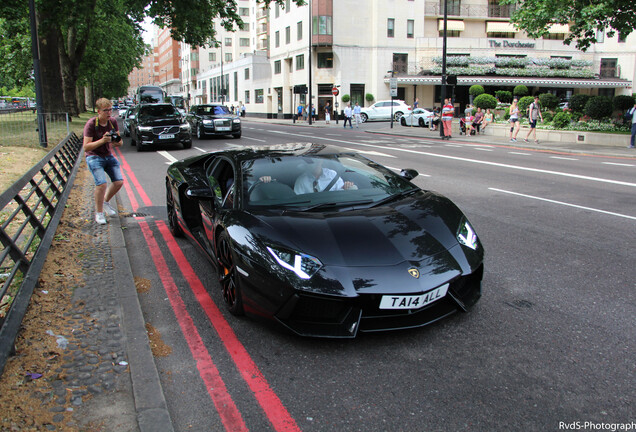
[612, 145]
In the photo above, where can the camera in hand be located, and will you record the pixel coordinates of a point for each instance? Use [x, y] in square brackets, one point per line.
[114, 136]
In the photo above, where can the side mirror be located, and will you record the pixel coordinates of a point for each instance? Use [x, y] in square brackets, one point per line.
[409, 173]
[200, 193]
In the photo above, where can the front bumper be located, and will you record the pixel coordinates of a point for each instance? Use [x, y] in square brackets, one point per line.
[164, 135]
[221, 127]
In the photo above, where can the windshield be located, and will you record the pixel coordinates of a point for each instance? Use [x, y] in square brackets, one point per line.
[177, 101]
[150, 96]
[306, 182]
[213, 110]
[162, 111]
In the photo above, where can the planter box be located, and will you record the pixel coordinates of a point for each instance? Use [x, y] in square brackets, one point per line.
[580, 137]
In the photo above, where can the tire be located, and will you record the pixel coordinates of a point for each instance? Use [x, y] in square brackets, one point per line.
[173, 221]
[228, 275]
[403, 121]
[187, 144]
[364, 117]
[133, 142]
[140, 147]
[236, 135]
[126, 132]
[421, 122]
[200, 132]
[397, 116]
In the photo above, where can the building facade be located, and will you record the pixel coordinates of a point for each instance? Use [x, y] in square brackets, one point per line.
[357, 48]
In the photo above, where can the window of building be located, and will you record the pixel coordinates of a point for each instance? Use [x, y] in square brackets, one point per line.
[244, 11]
[390, 27]
[621, 37]
[277, 67]
[277, 39]
[247, 96]
[496, 10]
[325, 60]
[194, 56]
[244, 42]
[609, 68]
[287, 35]
[410, 29]
[228, 57]
[277, 10]
[554, 36]
[228, 42]
[247, 73]
[600, 36]
[322, 25]
[503, 35]
[212, 56]
[299, 30]
[450, 33]
[258, 96]
[245, 26]
[287, 6]
[400, 63]
[300, 62]
[453, 7]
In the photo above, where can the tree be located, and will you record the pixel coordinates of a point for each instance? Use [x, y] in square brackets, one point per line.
[520, 90]
[583, 17]
[485, 101]
[475, 90]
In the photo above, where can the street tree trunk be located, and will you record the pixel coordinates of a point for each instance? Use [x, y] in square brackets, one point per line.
[52, 96]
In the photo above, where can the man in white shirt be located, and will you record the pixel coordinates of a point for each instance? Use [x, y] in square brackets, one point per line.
[347, 116]
[633, 113]
[318, 179]
[356, 113]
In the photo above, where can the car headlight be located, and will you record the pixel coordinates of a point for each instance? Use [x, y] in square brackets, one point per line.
[305, 266]
[207, 122]
[466, 235]
[145, 128]
[237, 120]
[184, 127]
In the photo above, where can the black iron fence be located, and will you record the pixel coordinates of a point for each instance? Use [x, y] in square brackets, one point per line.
[30, 211]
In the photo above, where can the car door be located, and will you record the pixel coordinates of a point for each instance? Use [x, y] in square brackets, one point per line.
[221, 179]
[191, 117]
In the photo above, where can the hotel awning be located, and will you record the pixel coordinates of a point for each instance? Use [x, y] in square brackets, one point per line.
[451, 25]
[559, 28]
[500, 27]
[513, 81]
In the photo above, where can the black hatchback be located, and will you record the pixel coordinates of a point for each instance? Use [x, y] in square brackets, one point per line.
[159, 124]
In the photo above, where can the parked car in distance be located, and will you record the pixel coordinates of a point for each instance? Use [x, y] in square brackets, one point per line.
[419, 117]
[127, 116]
[158, 124]
[381, 110]
[213, 119]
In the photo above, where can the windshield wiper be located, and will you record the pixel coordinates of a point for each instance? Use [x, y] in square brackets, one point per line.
[394, 197]
[332, 204]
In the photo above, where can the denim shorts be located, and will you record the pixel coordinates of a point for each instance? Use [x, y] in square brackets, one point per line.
[100, 166]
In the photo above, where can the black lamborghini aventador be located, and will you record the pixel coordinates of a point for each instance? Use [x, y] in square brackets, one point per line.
[324, 240]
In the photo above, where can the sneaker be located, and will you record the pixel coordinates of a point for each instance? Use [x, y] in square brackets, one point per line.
[109, 209]
[630, 146]
[100, 218]
[525, 140]
[513, 140]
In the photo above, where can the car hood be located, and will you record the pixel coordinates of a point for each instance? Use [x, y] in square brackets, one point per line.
[217, 116]
[411, 230]
[157, 121]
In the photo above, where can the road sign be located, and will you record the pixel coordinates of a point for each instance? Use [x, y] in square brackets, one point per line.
[335, 91]
[394, 86]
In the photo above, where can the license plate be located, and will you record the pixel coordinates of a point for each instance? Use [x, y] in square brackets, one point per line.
[223, 129]
[413, 301]
[166, 136]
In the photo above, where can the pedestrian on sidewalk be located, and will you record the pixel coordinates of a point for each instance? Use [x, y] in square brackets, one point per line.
[327, 113]
[478, 120]
[447, 117]
[356, 112]
[514, 120]
[347, 116]
[632, 114]
[488, 118]
[101, 134]
[299, 112]
[534, 114]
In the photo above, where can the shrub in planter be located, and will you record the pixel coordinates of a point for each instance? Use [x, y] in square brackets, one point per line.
[561, 120]
[504, 96]
[346, 98]
[547, 117]
[599, 107]
[524, 103]
[520, 90]
[369, 97]
[485, 101]
[577, 102]
[506, 114]
[548, 101]
[623, 102]
[476, 90]
[576, 115]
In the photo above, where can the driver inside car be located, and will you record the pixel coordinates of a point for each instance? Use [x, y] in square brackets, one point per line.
[319, 179]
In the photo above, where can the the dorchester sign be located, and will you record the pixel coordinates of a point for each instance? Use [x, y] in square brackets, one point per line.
[510, 44]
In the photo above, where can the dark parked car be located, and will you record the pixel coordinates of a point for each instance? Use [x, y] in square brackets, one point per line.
[158, 124]
[214, 119]
[324, 241]
[126, 117]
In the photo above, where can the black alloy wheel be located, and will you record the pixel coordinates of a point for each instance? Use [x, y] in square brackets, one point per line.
[173, 220]
[228, 276]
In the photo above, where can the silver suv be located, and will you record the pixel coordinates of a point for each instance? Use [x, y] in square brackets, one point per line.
[381, 110]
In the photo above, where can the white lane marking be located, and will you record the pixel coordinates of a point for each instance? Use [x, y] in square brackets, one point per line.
[563, 158]
[482, 149]
[452, 145]
[254, 139]
[496, 164]
[373, 153]
[520, 154]
[618, 164]
[201, 150]
[168, 156]
[563, 203]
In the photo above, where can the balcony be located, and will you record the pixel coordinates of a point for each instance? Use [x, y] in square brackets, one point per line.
[456, 8]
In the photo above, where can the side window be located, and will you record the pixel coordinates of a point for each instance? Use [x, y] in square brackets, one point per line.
[223, 175]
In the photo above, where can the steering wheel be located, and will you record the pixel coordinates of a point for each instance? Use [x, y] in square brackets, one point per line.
[251, 188]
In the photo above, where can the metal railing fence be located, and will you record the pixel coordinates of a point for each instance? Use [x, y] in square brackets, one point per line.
[21, 126]
[30, 211]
